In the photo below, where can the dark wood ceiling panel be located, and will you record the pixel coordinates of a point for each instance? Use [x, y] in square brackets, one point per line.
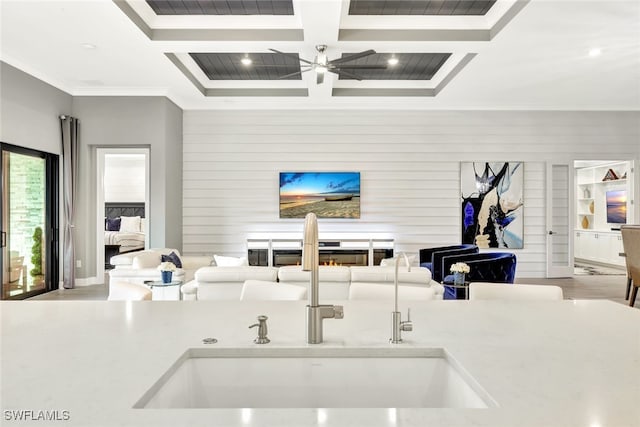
[411, 66]
[222, 7]
[420, 7]
[265, 66]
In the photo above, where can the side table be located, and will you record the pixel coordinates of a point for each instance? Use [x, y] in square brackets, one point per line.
[161, 291]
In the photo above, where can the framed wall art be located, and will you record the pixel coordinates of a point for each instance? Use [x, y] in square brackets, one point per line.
[492, 204]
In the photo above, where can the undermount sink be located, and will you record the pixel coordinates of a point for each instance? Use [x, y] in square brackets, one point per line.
[316, 378]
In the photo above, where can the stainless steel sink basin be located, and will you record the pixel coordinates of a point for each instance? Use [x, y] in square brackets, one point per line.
[316, 378]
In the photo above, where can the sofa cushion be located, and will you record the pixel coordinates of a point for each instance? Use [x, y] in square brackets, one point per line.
[294, 273]
[146, 259]
[235, 274]
[229, 261]
[417, 275]
[378, 291]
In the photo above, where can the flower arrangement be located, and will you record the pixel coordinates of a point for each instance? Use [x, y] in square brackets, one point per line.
[167, 266]
[459, 267]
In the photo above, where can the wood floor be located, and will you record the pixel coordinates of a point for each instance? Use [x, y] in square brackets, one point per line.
[611, 287]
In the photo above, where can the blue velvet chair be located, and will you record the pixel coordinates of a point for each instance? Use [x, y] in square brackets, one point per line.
[431, 258]
[496, 267]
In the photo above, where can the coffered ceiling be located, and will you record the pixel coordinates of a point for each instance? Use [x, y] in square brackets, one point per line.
[425, 54]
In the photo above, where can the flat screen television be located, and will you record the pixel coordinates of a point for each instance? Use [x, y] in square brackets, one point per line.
[617, 207]
[327, 194]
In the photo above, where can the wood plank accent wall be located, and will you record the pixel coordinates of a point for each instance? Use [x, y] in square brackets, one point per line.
[409, 164]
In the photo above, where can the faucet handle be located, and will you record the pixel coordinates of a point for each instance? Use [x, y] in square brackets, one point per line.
[338, 312]
[407, 325]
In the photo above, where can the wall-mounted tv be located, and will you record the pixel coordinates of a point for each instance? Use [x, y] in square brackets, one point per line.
[617, 207]
[327, 194]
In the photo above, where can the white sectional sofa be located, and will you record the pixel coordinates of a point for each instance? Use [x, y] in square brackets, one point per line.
[336, 282]
[225, 283]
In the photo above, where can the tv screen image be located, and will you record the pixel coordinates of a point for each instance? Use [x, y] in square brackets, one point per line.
[617, 207]
[327, 194]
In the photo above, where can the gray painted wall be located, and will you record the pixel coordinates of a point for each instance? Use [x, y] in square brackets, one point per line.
[131, 122]
[29, 110]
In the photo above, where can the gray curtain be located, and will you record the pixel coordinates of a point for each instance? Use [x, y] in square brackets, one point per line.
[69, 126]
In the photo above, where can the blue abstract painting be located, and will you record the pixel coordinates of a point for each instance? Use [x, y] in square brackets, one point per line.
[492, 204]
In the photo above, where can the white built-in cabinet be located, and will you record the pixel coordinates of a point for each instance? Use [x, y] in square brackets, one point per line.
[597, 238]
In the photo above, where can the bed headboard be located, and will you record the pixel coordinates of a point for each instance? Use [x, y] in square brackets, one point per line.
[115, 210]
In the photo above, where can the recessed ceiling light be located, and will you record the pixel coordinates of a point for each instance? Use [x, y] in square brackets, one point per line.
[595, 52]
[246, 61]
[88, 45]
[392, 61]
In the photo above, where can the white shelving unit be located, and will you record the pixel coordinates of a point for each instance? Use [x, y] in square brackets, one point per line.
[597, 239]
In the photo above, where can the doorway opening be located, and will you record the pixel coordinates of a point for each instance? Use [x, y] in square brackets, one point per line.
[603, 202]
[122, 198]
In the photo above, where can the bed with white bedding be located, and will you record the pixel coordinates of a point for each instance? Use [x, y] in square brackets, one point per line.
[127, 240]
[124, 229]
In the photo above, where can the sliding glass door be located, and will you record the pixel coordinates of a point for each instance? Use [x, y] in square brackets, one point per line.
[28, 189]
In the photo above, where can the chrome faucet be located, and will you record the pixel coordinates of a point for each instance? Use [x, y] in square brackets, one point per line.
[397, 325]
[315, 313]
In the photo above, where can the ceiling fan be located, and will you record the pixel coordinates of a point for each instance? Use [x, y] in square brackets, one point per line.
[321, 64]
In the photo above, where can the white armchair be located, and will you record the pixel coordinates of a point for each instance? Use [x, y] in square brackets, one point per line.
[141, 266]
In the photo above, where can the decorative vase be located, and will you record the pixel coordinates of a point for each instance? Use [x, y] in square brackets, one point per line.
[591, 207]
[166, 276]
[585, 222]
[458, 278]
[587, 193]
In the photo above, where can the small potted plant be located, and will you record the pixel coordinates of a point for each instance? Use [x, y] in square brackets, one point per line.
[166, 269]
[459, 269]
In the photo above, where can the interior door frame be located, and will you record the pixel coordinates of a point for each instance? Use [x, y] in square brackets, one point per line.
[100, 155]
[553, 271]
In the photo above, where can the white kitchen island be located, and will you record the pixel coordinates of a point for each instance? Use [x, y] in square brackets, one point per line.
[566, 363]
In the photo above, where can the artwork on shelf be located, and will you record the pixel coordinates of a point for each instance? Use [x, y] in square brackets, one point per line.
[610, 176]
[327, 194]
[617, 207]
[492, 204]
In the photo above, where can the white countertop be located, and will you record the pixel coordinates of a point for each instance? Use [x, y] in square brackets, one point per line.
[568, 363]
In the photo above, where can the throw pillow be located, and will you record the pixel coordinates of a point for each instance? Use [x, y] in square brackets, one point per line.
[391, 262]
[113, 224]
[229, 261]
[130, 224]
[172, 257]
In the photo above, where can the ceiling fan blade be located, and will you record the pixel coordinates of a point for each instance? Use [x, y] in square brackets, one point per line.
[269, 66]
[347, 74]
[293, 74]
[290, 55]
[319, 78]
[352, 57]
[361, 67]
